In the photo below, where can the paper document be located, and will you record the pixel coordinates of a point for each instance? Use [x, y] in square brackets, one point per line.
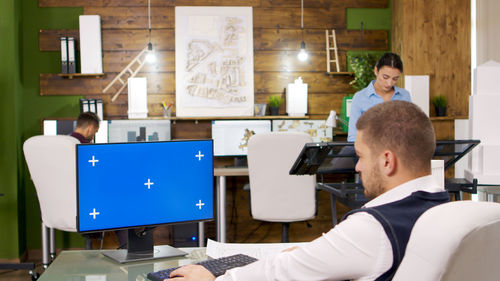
[257, 250]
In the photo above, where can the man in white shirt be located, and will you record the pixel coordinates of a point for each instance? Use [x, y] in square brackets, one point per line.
[395, 144]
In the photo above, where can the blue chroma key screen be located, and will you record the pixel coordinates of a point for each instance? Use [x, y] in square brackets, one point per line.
[122, 185]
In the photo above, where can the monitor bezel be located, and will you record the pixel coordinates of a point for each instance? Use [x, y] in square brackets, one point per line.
[138, 226]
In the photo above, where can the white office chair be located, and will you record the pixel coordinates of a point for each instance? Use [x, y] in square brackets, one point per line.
[455, 241]
[51, 162]
[275, 195]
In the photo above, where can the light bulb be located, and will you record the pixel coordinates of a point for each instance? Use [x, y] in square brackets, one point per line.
[302, 55]
[150, 57]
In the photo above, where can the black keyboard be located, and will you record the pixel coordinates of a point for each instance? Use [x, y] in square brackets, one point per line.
[216, 266]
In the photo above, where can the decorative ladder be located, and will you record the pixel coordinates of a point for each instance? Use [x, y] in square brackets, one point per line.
[122, 77]
[331, 39]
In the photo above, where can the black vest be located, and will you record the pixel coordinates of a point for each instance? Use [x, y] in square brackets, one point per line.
[398, 219]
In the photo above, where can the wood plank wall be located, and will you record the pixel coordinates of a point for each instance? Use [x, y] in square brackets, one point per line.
[433, 38]
[277, 37]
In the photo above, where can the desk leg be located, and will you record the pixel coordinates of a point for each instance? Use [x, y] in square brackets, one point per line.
[201, 234]
[333, 206]
[221, 209]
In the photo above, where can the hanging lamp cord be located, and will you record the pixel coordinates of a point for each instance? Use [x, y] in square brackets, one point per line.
[302, 18]
[302, 14]
[149, 19]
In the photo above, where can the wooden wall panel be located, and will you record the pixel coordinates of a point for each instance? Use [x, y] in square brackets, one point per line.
[253, 3]
[142, 3]
[132, 17]
[290, 18]
[162, 83]
[191, 129]
[433, 38]
[264, 39]
[52, 84]
[113, 39]
[163, 17]
[444, 129]
[114, 62]
[275, 82]
[326, 4]
[277, 37]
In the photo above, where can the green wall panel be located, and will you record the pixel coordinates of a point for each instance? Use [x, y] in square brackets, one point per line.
[371, 18]
[10, 91]
[36, 107]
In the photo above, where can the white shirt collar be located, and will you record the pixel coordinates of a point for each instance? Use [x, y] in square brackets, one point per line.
[425, 183]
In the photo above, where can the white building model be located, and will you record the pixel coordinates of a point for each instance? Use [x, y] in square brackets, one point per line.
[484, 122]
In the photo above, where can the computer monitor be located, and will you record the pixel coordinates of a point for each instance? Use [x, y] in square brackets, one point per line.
[231, 136]
[317, 129]
[141, 184]
[66, 127]
[139, 130]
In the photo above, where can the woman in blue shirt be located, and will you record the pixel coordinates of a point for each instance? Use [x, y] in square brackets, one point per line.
[387, 71]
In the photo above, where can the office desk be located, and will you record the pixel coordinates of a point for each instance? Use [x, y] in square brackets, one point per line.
[92, 265]
[221, 174]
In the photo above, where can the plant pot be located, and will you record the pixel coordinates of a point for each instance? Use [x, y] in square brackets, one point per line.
[274, 110]
[440, 111]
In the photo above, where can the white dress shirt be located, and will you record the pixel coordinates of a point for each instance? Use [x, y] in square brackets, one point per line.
[357, 248]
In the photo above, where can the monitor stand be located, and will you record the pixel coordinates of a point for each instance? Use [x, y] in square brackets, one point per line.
[140, 247]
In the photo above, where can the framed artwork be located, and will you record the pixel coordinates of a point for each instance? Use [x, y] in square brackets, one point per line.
[214, 61]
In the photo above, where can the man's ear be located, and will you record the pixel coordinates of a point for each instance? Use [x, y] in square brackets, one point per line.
[388, 163]
[88, 131]
[375, 70]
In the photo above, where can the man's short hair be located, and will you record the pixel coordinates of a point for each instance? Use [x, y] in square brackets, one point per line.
[87, 118]
[403, 128]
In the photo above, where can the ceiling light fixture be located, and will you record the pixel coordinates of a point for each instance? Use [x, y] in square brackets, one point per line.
[302, 55]
[150, 57]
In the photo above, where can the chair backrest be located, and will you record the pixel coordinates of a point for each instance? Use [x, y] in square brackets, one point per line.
[51, 162]
[455, 241]
[276, 195]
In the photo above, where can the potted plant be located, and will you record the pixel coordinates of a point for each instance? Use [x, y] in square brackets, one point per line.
[362, 65]
[440, 103]
[274, 103]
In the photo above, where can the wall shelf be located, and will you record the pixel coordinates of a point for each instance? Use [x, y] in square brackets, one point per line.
[81, 75]
[266, 117]
[447, 118]
[341, 73]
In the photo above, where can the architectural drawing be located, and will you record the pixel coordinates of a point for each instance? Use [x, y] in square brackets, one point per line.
[214, 61]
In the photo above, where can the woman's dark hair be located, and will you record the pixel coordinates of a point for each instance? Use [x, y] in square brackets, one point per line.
[390, 59]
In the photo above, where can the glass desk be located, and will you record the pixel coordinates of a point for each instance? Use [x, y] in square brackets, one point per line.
[91, 265]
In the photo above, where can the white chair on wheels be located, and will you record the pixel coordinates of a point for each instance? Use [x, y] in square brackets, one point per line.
[275, 195]
[51, 162]
[456, 241]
